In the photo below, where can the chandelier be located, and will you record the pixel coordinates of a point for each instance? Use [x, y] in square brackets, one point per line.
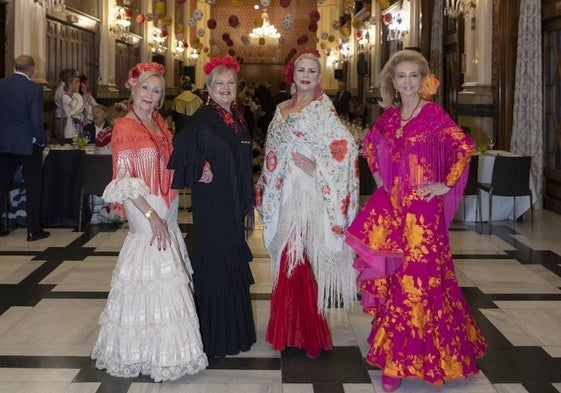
[454, 8]
[266, 32]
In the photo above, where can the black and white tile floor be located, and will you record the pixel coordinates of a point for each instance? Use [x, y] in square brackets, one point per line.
[53, 290]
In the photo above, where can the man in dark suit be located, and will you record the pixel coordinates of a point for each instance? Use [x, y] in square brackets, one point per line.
[342, 99]
[22, 139]
[282, 95]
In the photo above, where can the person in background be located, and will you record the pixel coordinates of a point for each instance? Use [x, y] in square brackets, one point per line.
[422, 326]
[22, 139]
[212, 155]
[89, 100]
[342, 99]
[265, 101]
[306, 197]
[60, 116]
[73, 106]
[99, 133]
[282, 95]
[98, 124]
[185, 104]
[149, 325]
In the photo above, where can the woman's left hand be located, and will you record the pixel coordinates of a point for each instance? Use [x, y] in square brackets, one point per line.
[304, 163]
[432, 190]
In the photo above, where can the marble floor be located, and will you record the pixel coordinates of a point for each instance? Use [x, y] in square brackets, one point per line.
[53, 290]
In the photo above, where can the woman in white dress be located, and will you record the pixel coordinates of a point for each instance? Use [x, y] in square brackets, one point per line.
[149, 325]
[73, 106]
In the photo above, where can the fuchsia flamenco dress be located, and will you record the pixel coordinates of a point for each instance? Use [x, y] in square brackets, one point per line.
[422, 326]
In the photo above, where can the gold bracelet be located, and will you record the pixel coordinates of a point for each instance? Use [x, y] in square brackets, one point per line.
[149, 212]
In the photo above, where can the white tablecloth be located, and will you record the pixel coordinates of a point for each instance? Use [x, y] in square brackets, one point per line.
[502, 206]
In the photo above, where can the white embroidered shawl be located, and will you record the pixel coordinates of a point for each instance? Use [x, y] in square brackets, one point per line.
[311, 214]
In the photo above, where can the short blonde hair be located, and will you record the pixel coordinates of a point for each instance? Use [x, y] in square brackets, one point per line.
[387, 88]
[218, 71]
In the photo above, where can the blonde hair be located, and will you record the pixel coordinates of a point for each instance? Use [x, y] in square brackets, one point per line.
[387, 88]
[147, 75]
[220, 70]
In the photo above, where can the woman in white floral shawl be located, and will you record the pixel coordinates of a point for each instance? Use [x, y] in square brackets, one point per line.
[306, 196]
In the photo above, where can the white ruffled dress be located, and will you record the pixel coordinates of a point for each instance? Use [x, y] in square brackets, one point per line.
[149, 325]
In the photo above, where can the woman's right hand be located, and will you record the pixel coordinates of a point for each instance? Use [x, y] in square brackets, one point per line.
[160, 232]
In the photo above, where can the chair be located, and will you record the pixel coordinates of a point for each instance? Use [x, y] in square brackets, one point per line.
[511, 177]
[471, 186]
[97, 172]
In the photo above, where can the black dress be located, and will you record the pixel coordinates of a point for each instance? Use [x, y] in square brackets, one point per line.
[220, 255]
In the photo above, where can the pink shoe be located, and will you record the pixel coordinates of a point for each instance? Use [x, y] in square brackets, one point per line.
[313, 353]
[390, 384]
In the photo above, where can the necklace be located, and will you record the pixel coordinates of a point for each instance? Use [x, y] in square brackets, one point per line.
[399, 131]
[140, 120]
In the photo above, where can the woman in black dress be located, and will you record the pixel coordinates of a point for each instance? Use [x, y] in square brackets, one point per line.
[212, 155]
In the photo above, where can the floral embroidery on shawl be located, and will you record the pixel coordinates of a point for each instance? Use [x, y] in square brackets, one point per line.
[317, 133]
[233, 119]
[432, 149]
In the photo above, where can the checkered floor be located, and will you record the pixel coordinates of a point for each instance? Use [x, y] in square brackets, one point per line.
[53, 290]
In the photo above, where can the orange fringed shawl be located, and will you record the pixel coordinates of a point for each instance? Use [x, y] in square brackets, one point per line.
[141, 154]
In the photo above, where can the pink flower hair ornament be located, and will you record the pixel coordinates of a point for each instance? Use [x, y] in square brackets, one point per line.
[141, 68]
[289, 69]
[218, 61]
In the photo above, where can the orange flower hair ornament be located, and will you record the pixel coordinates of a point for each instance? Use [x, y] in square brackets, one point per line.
[289, 69]
[429, 86]
[141, 68]
[218, 61]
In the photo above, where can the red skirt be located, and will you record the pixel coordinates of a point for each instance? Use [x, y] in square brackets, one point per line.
[294, 320]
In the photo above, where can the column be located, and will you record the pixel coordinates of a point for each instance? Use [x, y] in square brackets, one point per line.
[29, 35]
[107, 87]
[475, 102]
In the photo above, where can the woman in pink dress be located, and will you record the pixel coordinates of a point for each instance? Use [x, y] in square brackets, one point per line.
[422, 327]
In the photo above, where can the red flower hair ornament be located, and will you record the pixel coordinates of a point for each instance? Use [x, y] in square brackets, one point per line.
[218, 61]
[141, 68]
[289, 69]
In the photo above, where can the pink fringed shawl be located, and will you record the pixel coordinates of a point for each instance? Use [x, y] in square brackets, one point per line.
[431, 149]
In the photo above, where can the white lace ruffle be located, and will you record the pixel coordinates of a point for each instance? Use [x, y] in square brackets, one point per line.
[157, 373]
[119, 190]
[149, 325]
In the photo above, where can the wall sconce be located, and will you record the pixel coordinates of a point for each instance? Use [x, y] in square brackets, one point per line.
[179, 52]
[397, 27]
[157, 43]
[345, 51]
[455, 8]
[331, 59]
[364, 44]
[191, 55]
[122, 23]
[396, 18]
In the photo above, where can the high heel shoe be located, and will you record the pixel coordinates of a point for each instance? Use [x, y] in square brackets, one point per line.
[313, 353]
[390, 384]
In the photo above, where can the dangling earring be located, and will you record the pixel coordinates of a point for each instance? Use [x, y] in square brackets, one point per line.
[234, 102]
[396, 99]
[208, 100]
